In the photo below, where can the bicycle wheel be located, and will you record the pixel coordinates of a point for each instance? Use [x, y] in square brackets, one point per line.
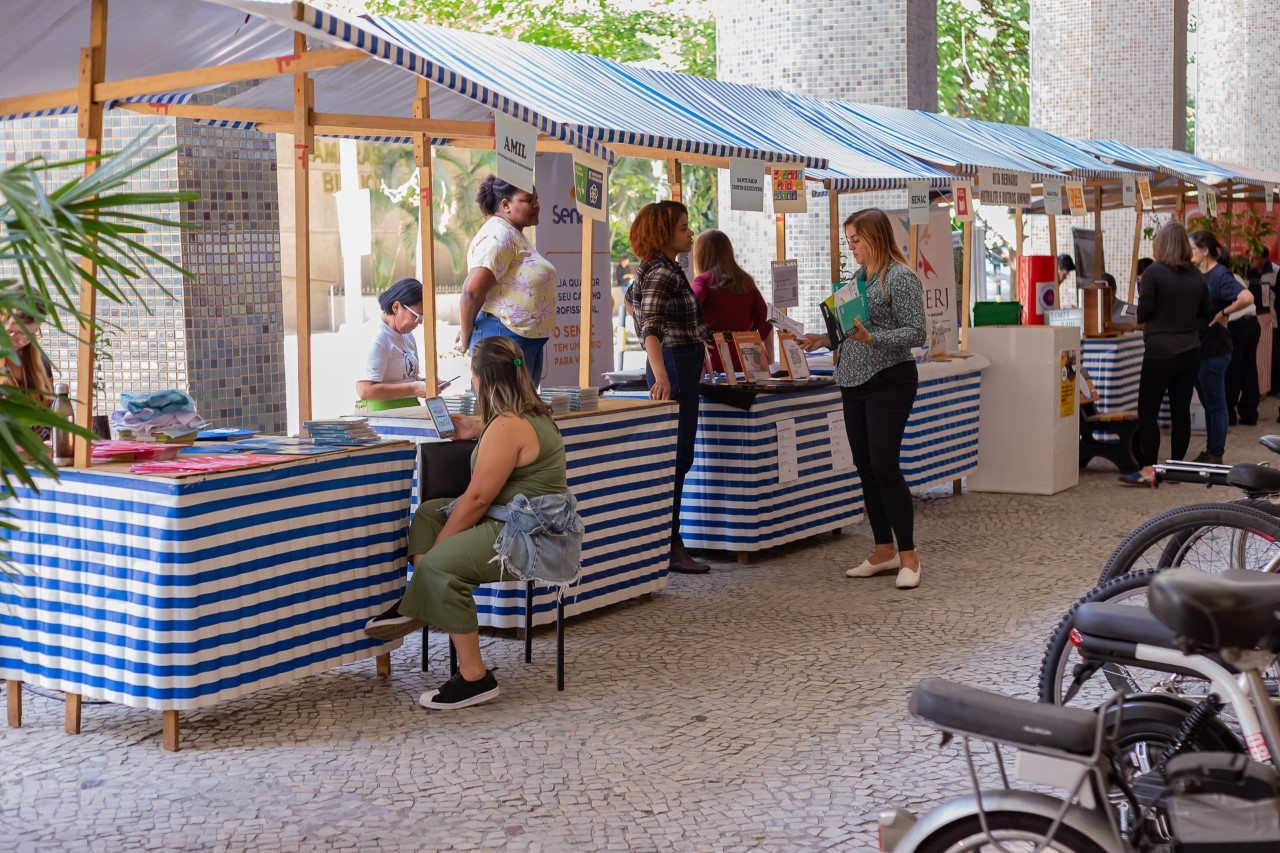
[1009, 832]
[1209, 537]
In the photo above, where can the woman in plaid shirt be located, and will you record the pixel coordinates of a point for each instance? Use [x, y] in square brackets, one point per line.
[669, 322]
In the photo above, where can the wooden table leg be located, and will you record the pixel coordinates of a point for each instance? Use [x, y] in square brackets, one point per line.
[384, 664]
[71, 718]
[744, 557]
[13, 690]
[957, 487]
[170, 730]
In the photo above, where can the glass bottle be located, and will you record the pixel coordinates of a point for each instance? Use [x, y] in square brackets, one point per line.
[63, 441]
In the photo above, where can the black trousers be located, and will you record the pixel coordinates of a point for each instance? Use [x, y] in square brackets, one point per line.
[875, 417]
[684, 372]
[1242, 373]
[1176, 377]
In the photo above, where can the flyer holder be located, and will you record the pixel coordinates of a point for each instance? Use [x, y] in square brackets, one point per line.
[792, 357]
[755, 358]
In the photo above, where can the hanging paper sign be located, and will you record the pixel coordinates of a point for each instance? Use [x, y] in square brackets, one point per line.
[746, 184]
[1075, 199]
[962, 193]
[786, 283]
[1005, 188]
[1144, 190]
[515, 144]
[1270, 199]
[1208, 200]
[788, 191]
[590, 190]
[918, 194]
[1129, 191]
[1053, 196]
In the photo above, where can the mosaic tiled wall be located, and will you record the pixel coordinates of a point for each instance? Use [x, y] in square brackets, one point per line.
[872, 51]
[220, 333]
[1235, 82]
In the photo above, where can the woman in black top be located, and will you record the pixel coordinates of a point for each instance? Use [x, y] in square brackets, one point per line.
[1172, 297]
[669, 323]
[1226, 296]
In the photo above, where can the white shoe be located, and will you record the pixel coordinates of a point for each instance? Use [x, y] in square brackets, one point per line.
[868, 568]
[908, 578]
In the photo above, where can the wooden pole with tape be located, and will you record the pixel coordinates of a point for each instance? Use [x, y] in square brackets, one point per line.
[1137, 246]
[966, 283]
[423, 158]
[1099, 252]
[303, 143]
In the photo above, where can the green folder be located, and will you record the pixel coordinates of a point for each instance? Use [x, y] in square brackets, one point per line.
[849, 303]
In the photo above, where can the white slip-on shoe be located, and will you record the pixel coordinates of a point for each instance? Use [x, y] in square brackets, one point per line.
[868, 568]
[908, 578]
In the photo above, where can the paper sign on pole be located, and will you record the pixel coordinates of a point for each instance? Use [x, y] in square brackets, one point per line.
[1144, 190]
[1075, 198]
[1270, 199]
[515, 144]
[1129, 191]
[1005, 188]
[746, 184]
[962, 193]
[918, 193]
[1208, 200]
[1053, 196]
[786, 283]
[788, 191]
[591, 190]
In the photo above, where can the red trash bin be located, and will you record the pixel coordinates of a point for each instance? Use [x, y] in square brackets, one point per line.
[1037, 287]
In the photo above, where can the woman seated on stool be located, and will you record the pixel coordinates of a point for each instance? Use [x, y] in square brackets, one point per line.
[520, 453]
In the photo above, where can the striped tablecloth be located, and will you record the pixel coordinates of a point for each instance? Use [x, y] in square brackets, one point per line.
[175, 594]
[1115, 365]
[733, 500]
[621, 468]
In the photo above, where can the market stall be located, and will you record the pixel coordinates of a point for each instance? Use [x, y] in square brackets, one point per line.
[172, 592]
[621, 462]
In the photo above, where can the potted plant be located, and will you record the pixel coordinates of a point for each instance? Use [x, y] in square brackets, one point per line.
[101, 425]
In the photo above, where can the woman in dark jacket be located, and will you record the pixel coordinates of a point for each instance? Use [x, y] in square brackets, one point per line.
[1172, 299]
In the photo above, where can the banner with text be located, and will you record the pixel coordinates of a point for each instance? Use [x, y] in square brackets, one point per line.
[1004, 188]
[936, 268]
[559, 238]
[918, 202]
[1053, 196]
[515, 144]
[789, 194]
[746, 184]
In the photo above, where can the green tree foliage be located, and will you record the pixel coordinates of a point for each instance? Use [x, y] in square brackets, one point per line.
[984, 59]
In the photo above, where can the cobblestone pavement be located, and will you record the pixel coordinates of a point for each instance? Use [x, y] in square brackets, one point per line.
[761, 707]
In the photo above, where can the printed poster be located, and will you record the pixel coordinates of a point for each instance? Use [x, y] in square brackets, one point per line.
[590, 190]
[746, 184]
[936, 267]
[1144, 190]
[1067, 383]
[789, 195]
[786, 283]
[962, 194]
[515, 144]
[1075, 199]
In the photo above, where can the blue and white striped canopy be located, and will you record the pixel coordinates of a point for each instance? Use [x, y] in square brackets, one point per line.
[1176, 164]
[1043, 147]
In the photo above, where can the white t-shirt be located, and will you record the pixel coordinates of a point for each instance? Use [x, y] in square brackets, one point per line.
[525, 296]
[393, 358]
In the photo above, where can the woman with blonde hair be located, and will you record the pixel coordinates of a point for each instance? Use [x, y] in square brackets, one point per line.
[730, 300]
[452, 548]
[877, 376]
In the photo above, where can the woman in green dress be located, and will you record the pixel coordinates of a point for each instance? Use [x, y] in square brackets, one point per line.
[520, 452]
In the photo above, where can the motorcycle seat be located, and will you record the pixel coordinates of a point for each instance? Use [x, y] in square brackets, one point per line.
[1125, 623]
[1237, 609]
[992, 716]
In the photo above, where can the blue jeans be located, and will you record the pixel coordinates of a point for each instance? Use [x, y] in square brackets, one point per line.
[684, 372]
[488, 326]
[1212, 389]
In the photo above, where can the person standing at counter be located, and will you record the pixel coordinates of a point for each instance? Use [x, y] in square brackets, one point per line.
[669, 322]
[1172, 299]
[392, 377]
[510, 289]
[1226, 296]
[877, 375]
[729, 298]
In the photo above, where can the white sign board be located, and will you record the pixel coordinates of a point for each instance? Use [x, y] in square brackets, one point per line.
[786, 283]
[841, 452]
[935, 266]
[515, 144]
[1004, 188]
[788, 452]
[1053, 196]
[918, 202]
[789, 194]
[1129, 191]
[746, 184]
[559, 239]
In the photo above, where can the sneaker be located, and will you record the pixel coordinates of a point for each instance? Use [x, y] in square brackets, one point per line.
[392, 624]
[457, 692]
[1207, 458]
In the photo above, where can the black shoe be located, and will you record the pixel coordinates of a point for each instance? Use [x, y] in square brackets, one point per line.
[1207, 458]
[1253, 421]
[457, 692]
[392, 625]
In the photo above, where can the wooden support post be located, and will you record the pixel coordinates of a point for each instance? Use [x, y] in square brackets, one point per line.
[780, 236]
[833, 208]
[303, 142]
[966, 274]
[675, 177]
[71, 713]
[1019, 240]
[585, 378]
[1100, 255]
[93, 68]
[383, 664]
[423, 159]
[743, 558]
[1137, 247]
[957, 487]
[1182, 204]
[13, 695]
[169, 726]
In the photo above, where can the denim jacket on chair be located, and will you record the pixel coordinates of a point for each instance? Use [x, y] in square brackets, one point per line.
[541, 539]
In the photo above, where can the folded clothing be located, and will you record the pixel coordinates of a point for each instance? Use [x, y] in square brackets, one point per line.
[168, 402]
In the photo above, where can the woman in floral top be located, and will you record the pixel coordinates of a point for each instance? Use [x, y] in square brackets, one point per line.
[510, 289]
[877, 376]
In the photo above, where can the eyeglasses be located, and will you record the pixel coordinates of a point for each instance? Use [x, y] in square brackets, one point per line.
[417, 318]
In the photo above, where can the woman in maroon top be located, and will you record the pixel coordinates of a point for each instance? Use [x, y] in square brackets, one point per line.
[730, 300]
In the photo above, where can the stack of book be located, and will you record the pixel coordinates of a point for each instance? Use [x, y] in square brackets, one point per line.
[341, 431]
[580, 399]
[461, 404]
[559, 403]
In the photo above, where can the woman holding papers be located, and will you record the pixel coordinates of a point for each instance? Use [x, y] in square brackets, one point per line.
[669, 322]
[391, 379]
[877, 375]
[729, 298]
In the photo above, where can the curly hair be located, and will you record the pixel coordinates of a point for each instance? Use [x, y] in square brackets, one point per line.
[654, 226]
